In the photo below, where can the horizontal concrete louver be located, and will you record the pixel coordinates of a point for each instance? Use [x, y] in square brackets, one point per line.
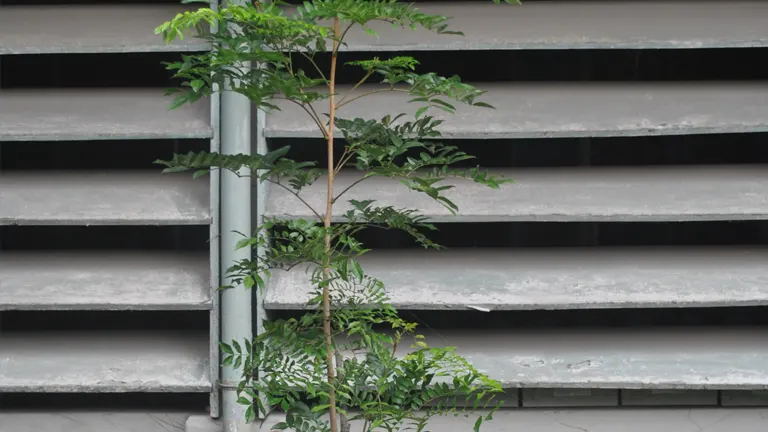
[634, 174]
[100, 236]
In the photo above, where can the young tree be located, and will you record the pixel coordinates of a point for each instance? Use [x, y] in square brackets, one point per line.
[339, 361]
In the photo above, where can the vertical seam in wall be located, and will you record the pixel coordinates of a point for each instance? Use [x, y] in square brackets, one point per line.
[214, 257]
[261, 196]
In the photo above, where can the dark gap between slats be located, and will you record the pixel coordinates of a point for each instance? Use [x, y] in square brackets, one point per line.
[576, 234]
[52, 321]
[94, 155]
[570, 65]
[89, 70]
[747, 148]
[73, 2]
[588, 318]
[95, 238]
[104, 401]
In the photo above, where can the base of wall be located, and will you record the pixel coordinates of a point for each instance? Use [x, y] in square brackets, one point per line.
[89, 421]
[203, 423]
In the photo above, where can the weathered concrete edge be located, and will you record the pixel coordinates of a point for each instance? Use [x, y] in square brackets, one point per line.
[104, 222]
[277, 304]
[107, 49]
[562, 217]
[97, 306]
[273, 133]
[108, 387]
[517, 46]
[68, 136]
[202, 423]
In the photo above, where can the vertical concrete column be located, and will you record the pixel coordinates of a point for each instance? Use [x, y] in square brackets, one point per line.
[236, 304]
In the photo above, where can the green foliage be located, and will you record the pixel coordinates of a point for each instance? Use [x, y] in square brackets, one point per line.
[386, 376]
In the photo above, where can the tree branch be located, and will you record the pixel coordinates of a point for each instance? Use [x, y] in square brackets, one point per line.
[296, 194]
[329, 360]
[355, 183]
[359, 83]
[371, 93]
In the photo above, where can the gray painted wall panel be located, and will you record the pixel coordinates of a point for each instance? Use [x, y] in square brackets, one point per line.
[536, 398]
[565, 278]
[603, 420]
[657, 193]
[95, 361]
[69, 421]
[581, 109]
[89, 29]
[613, 358]
[668, 397]
[102, 198]
[98, 114]
[745, 398]
[580, 25]
[108, 280]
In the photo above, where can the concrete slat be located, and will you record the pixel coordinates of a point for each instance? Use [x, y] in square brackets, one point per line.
[616, 358]
[104, 362]
[600, 420]
[573, 398]
[102, 198]
[96, 28]
[669, 398]
[98, 114]
[92, 421]
[108, 280]
[551, 110]
[611, 194]
[569, 278]
[630, 24]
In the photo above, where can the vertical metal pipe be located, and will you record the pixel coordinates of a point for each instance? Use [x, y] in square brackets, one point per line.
[236, 304]
[214, 250]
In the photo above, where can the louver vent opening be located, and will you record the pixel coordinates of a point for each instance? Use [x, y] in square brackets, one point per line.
[105, 264]
[111, 401]
[97, 321]
[626, 265]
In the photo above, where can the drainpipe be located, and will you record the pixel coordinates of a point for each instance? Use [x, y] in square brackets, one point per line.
[236, 303]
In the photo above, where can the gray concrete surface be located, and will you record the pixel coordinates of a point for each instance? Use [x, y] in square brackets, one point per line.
[562, 278]
[74, 114]
[669, 398]
[107, 280]
[95, 361]
[203, 423]
[730, 358]
[103, 198]
[572, 398]
[638, 194]
[602, 420]
[580, 25]
[745, 398]
[39, 29]
[576, 109]
[90, 421]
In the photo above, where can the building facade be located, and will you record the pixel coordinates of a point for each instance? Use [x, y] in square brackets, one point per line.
[618, 285]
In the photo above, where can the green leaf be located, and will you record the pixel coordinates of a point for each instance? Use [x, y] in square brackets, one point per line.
[478, 423]
[196, 84]
[250, 414]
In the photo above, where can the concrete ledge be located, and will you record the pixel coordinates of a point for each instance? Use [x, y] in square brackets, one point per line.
[89, 421]
[203, 423]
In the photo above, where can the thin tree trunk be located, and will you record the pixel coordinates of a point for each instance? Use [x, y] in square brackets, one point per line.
[327, 223]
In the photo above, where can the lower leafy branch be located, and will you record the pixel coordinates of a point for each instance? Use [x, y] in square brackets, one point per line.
[378, 383]
[386, 377]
